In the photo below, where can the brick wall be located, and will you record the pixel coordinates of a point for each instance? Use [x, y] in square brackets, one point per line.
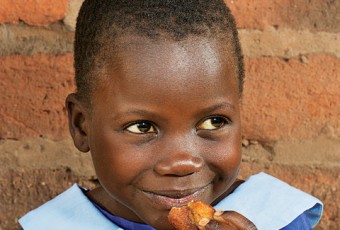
[290, 107]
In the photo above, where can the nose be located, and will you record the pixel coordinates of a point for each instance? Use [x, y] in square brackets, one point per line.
[180, 159]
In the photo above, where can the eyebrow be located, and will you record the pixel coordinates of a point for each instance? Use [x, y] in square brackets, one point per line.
[141, 112]
[223, 105]
[130, 112]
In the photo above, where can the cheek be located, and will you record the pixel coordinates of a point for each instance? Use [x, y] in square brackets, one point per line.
[109, 161]
[228, 161]
[226, 156]
[117, 163]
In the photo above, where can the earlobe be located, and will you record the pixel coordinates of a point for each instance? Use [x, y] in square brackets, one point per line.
[77, 119]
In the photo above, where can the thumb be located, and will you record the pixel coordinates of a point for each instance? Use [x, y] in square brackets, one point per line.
[229, 220]
[217, 225]
[240, 221]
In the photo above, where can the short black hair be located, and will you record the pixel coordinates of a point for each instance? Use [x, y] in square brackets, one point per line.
[101, 22]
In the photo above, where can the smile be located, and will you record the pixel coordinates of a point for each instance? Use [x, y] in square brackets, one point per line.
[175, 198]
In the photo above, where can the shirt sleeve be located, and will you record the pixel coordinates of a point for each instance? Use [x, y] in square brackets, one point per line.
[299, 223]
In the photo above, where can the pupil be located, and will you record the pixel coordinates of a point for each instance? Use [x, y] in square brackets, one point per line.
[144, 127]
[217, 121]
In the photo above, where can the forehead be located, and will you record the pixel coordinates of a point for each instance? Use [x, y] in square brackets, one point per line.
[178, 66]
[138, 57]
[180, 54]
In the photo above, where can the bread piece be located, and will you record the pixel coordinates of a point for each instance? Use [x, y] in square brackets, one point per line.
[182, 218]
[190, 217]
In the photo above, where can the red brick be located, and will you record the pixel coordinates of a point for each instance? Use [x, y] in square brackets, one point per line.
[33, 89]
[32, 12]
[18, 39]
[316, 15]
[290, 99]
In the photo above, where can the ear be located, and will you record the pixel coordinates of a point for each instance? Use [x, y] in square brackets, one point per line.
[77, 120]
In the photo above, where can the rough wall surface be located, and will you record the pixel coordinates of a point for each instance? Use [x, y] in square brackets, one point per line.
[290, 106]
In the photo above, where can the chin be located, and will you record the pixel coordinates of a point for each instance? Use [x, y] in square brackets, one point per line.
[161, 223]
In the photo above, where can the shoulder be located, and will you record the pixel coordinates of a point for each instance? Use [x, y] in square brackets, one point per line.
[270, 203]
[69, 210]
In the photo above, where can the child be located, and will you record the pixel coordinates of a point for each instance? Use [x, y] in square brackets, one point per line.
[157, 104]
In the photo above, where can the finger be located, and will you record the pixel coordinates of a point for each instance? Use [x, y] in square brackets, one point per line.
[218, 215]
[236, 219]
[217, 225]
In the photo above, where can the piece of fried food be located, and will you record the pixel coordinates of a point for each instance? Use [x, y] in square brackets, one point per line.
[192, 216]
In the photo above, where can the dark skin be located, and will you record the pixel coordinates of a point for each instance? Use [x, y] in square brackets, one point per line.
[164, 127]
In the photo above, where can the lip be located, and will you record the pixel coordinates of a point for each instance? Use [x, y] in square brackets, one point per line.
[175, 198]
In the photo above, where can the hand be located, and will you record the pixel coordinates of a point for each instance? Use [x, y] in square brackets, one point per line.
[228, 220]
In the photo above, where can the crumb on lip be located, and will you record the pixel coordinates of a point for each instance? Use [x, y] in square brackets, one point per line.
[171, 195]
[175, 195]
[178, 195]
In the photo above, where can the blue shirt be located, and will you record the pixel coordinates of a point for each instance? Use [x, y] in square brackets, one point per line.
[300, 223]
[266, 201]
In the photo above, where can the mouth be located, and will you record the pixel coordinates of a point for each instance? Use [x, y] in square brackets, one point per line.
[175, 198]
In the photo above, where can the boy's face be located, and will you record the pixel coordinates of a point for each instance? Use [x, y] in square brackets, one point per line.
[165, 128]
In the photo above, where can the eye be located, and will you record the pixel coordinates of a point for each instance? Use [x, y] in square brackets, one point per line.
[213, 123]
[141, 127]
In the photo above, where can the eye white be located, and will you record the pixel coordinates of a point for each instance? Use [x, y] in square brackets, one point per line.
[141, 127]
[212, 123]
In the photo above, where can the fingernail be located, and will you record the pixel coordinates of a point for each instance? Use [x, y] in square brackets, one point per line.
[203, 222]
[218, 213]
[218, 216]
